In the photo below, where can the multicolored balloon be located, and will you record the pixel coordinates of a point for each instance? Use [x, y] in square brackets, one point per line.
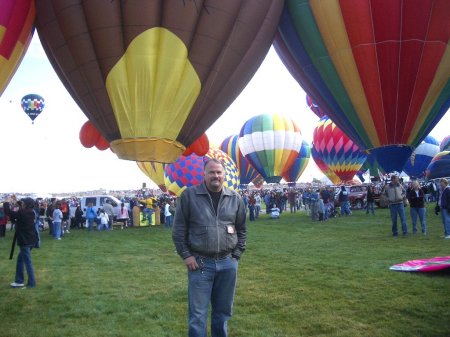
[445, 144]
[439, 166]
[314, 107]
[155, 171]
[298, 167]
[189, 171]
[421, 157]
[339, 152]
[16, 30]
[32, 105]
[271, 144]
[316, 156]
[153, 76]
[379, 68]
[371, 165]
[230, 146]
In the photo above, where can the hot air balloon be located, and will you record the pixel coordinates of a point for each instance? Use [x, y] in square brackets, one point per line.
[230, 146]
[271, 144]
[16, 30]
[371, 165]
[298, 167]
[200, 147]
[189, 170]
[315, 107]
[420, 159]
[152, 76]
[316, 156]
[445, 144]
[339, 152]
[379, 68]
[439, 166]
[155, 171]
[32, 105]
[258, 181]
[89, 137]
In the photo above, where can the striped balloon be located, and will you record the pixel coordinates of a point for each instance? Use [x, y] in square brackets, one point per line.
[155, 171]
[271, 144]
[445, 144]
[421, 157]
[439, 166]
[230, 146]
[338, 151]
[298, 167]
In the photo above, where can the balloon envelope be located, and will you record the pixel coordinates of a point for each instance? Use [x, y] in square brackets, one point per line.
[298, 167]
[230, 146]
[421, 157]
[445, 144]
[317, 157]
[155, 171]
[314, 107]
[152, 76]
[271, 144]
[379, 68]
[339, 152]
[32, 105]
[439, 166]
[16, 30]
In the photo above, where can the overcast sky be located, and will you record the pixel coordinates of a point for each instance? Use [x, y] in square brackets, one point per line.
[47, 157]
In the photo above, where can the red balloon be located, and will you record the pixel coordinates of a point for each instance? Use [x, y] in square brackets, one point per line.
[200, 147]
[102, 144]
[89, 135]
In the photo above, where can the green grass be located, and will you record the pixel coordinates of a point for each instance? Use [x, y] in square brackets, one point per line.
[297, 278]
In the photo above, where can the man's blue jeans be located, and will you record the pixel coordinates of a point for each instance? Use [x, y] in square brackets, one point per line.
[148, 212]
[56, 229]
[445, 213]
[24, 260]
[215, 282]
[345, 208]
[421, 212]
[400, 210]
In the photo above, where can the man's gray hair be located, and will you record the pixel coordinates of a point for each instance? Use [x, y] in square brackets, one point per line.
[214, 160]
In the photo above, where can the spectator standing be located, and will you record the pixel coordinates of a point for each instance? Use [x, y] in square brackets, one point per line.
[109, 210]
[257, 205]
[370, 200]
[57, 217]
[444, 206]
[343, 201]
[167, 215]
[416, 199]
[27, 239]
[395, 194]
[123, 215]
[91, 215]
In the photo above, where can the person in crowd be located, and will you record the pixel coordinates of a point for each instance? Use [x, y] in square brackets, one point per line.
[321, 208]
[274, 212]
[257, 205]
[49, 215]
[313, 200]
[103, 219]
[91, 215]
[343, 201]
[251, 207]
[267, 202]
[123, 215]
[149, 205]
[395, 194]
[78, 219]
[27, 238]
[109, 210]
[3, 221]
[57, 217]
[65, 210]
[443, 205]
[292, 199]
[167, 215]
[209, 234]
[370, 197]
[416, 199]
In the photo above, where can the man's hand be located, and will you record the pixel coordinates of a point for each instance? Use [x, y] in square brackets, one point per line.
[191, 263]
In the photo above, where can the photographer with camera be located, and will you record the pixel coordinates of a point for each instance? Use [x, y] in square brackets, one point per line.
[443, 206]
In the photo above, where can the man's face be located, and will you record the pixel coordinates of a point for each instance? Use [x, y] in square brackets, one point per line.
[394, 179]
[214, 176]
[443, 185]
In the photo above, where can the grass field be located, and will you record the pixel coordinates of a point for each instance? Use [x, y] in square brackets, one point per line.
[297, 278]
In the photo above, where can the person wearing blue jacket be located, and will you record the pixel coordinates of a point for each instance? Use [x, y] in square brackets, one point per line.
[444, 206]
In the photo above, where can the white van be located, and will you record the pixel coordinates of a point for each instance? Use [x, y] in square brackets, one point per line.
[98, 201]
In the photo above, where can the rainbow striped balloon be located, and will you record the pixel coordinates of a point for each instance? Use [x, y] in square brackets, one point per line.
[439, 166]
[298, 167]
[271, 144]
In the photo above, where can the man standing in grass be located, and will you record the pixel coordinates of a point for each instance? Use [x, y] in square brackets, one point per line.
[395, 194]
[209, 234]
